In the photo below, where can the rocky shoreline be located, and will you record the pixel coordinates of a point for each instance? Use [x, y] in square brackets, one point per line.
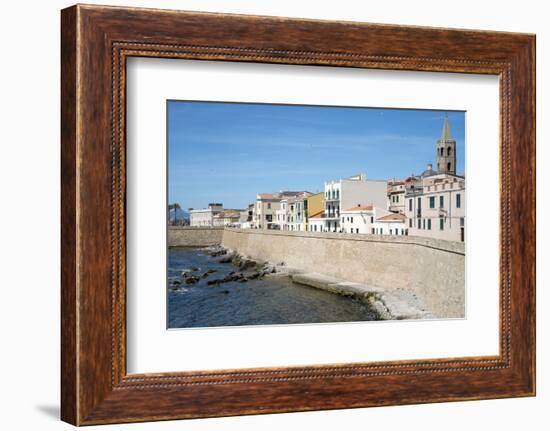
[388, 304]
[249, 269]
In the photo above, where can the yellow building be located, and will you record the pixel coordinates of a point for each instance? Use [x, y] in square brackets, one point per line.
[313, 205]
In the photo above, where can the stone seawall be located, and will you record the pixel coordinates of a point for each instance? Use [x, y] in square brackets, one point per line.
[185, 236]
[434, 270]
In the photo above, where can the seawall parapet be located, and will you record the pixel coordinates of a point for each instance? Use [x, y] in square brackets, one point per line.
[186, 236]
[433, 270]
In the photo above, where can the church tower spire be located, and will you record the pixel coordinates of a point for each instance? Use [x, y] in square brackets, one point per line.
[446, 150]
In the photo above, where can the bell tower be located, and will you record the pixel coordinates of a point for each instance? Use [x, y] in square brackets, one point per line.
[446, 151]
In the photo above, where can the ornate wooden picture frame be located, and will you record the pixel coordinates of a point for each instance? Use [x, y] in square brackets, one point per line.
[96, 41]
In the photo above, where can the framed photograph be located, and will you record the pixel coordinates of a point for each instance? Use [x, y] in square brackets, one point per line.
[264, 215]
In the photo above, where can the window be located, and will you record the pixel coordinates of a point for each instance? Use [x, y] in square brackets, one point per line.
[429, 224]
[372, 230]
[372, 219]
[448, 151]
[418, 225]
[351, 219]
[423, 223]
[268, 206]
[461, 221]
[410, 222]
[410, 204]
[458, 200]
[441, 223]
[449, 166]
[441, 201]
[419, 203]
[432, 201]
[390, 231]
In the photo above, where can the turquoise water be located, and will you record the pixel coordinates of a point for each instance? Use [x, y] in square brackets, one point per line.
[270, 301]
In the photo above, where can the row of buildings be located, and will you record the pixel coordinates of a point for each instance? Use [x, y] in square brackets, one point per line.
[431, 204]
[214, 216]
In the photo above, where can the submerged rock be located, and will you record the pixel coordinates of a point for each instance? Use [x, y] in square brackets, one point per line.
[217, 251]
[192, 279]
[228, 258]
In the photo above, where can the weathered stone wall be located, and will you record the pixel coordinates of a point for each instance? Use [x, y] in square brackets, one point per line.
[432, 269]
[185, 236]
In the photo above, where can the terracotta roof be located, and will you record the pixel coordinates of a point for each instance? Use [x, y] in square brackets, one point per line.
[284, 195]
[232, 213]
[267, 196]
[392, 217]
[320, 214]
[293, 194]
[359, 208]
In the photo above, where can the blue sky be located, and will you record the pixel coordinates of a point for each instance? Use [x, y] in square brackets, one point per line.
[228, 152]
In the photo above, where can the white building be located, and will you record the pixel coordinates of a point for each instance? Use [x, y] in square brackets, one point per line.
[265, 210]
[281, 215]
[317, 222]
[390, 224]
[362, 219]
[396, 196]
[438, 209]
[228, 217]
[246, 217]
[296, 213]
[349, 193]
[204, 216]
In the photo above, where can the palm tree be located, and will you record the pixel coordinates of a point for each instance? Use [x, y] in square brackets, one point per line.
[175, 207]
[170, 208]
